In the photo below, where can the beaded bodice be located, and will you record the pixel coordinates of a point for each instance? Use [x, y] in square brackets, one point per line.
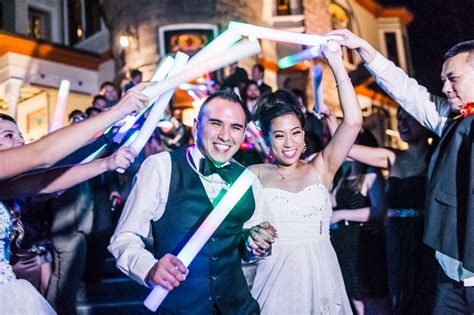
[304, 215]
[6, 229]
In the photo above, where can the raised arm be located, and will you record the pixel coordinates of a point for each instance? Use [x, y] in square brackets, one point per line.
[430, 110]
[53, 147]
[337, 149]
[374, 184]
[376, 157]
[61, 178]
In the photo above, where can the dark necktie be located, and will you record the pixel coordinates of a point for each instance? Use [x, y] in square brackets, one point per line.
[207, 168]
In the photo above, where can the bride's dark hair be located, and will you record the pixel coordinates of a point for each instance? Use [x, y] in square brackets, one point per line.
[274, 105]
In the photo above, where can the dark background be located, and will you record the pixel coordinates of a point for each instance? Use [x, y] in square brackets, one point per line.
[437, 26]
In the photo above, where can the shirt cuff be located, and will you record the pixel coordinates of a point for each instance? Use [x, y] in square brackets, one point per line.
[379, 64]
[469, 282]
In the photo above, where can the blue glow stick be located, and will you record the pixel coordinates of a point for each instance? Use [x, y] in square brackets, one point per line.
[205, 231]
[303, 55]
[317, 73]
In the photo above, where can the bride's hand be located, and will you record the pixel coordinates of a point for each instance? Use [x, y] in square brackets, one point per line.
[260, 238]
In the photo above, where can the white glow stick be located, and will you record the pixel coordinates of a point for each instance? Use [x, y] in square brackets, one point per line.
[127, 122]
[238, 51]
[94, 155]
[219, 44]
[157, 111]
[163, 69]
[61, 104]
[279, 35]
[205, 231]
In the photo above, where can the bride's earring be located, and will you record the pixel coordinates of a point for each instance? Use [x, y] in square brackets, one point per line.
[304, 148]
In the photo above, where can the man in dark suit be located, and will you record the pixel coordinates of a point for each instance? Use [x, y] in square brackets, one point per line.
[173, 193]
[258, 73]
[449, 218]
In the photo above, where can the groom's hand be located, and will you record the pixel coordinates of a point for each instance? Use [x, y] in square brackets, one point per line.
[168, 272]
[260, 238]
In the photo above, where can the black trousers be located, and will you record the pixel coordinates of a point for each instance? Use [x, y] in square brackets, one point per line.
[452, 297]
[411, 267]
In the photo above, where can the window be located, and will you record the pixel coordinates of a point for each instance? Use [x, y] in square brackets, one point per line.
[283, 7]
[39, 24]
[83, 19]
[391, 45]
[1, 14]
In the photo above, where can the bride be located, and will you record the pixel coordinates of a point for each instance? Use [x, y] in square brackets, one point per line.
[302, 275]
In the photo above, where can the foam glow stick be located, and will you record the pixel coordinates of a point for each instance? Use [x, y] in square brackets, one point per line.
[219, 44]
[279, 35]
[306, 54]
[160, 74]
[205, 231]
[96, 153]
[238, 51]
[292, 60]
[317, 73]
[61, 104]
[159, 108]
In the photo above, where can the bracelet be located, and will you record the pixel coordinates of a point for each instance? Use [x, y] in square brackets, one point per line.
[342, 81]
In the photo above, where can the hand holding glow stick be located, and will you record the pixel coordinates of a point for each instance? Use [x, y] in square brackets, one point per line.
[157, 110]
[279, 35]
[126, 123]
[239, 51]
[61, 104]
[205, 231]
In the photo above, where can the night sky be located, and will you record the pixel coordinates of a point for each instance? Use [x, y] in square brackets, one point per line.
[437, 26]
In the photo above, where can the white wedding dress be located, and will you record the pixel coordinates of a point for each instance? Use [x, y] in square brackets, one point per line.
[302, 274]
[17, 296]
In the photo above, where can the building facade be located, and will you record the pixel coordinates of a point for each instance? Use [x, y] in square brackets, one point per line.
[88, 42]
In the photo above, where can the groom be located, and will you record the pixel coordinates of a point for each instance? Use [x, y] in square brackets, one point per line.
[174, 192]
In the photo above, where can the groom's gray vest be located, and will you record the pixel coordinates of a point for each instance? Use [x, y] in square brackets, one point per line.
[215, 275]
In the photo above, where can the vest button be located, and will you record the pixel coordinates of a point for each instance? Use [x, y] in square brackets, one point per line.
[214, 258]
[213, 239]
[210, 298]
[215, 278]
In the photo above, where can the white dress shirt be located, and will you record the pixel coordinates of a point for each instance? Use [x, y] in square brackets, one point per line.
[432, 112]
[146, 202]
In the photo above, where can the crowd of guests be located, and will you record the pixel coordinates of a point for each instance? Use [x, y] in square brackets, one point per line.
[325, 231]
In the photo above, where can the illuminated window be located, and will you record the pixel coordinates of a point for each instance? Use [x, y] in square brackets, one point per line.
[39, 24]
[283, 7]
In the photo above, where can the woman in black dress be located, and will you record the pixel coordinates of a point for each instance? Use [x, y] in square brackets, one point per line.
[411, 265]
[358, 198]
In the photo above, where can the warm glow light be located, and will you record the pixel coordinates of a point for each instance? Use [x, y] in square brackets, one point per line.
[189, 114]
[124, 41]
